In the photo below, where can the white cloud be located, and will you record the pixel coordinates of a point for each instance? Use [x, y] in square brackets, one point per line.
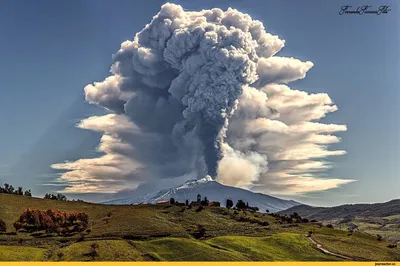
[187, 69]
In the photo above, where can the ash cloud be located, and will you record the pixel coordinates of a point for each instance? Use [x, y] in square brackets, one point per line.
[199, 93]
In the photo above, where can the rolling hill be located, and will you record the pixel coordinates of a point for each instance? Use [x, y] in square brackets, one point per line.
[374, 219]
[166, 233]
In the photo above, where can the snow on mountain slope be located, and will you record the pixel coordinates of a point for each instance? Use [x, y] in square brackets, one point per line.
[214, 191]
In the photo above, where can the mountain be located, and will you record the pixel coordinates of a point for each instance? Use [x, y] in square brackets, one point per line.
[214, 191]
[347, 211]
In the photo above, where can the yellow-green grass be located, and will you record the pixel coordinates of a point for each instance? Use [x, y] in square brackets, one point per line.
[169, 232]
[107, 250]
[278, 247]
[19, 253]
[183, 249]
[357, 245]
[142, 220]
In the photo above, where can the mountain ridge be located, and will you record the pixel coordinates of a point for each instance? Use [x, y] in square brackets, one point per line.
[383, 209]
[214, 191]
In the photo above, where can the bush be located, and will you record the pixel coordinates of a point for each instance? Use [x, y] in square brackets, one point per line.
[81, 238]
[3, 227]
[201, 232]
[52, 221]
[240, 205]
[60, 255]
[394, 245]
[264, 223]
[93, 250]
[172, 201]
[379, 237]
[199, 209]
[329, 225]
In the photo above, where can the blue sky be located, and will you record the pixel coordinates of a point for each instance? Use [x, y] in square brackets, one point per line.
[52, 49]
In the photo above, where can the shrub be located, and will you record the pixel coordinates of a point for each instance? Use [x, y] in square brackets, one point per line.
[81, 238]
[172, 201]
[3, 227]
[88, 231]
[93, 250]
[52, 221]
[199, 209]
[394, 245]
[264, 223]
[329, 225]
[201, 232]
[60, 255]
[240, 204]
[379, 237]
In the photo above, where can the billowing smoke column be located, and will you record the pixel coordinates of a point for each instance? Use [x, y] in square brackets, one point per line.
[198, 93]
[197, 62]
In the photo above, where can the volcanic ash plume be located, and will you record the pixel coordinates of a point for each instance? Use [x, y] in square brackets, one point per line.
[190, 93]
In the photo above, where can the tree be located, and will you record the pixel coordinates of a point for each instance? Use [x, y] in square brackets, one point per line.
[3, 227]
[267, 211]
[229, 203]
[187, 203]
[56, 197]
[198, 198]
[28, 193]
[204, 202]
[240, 205]
[19, 191]
[172, 201]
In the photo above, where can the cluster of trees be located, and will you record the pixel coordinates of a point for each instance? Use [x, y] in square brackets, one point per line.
[52, 221]
[9, 189]
[199, 201]
[240, 205]
[293, 218]
[55, 197]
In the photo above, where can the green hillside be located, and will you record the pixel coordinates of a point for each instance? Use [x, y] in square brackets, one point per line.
[373, 219]
[166, 233]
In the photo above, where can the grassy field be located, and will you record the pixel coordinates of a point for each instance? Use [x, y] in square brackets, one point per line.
[22, 253]
[151, 233]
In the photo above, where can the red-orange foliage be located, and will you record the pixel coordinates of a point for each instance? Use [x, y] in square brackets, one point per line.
[52, 221]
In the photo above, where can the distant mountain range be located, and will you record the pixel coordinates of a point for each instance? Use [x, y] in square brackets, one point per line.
[214, 191]
[346, 211]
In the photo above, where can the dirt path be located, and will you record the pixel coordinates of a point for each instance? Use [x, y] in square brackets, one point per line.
[321, 248]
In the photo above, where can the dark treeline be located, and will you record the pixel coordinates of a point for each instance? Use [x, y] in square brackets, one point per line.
[9, 189]
[55, 197]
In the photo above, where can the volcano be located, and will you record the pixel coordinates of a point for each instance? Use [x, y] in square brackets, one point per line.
[214, 191]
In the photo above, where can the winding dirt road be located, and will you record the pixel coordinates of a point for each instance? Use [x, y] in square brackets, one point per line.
[321, 248]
